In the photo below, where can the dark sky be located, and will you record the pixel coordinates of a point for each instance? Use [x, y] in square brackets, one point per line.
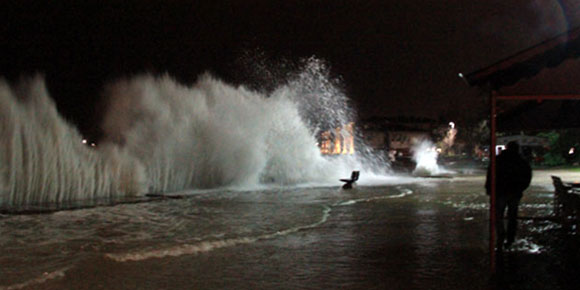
[394, 57]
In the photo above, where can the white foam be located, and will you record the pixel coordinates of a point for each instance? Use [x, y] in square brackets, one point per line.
[180, 250]
[207, 246]
[404, 192]
[58, 274]
[524, 245]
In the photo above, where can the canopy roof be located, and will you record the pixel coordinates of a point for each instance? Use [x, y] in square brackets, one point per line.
[557, 86]
[528, 62]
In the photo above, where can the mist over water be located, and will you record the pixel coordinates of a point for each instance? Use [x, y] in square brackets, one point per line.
[163, 136]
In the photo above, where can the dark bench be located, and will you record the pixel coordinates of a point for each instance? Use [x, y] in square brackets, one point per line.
[349, 182]
[566, 200]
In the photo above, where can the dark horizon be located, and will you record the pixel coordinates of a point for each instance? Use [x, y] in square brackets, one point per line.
[393, 57]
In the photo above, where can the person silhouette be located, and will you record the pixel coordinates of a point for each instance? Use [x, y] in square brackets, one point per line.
[513, 176]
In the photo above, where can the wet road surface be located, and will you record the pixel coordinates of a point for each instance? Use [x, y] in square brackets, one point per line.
[424, 234]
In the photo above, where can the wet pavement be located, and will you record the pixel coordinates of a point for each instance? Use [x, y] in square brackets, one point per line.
[419, 234]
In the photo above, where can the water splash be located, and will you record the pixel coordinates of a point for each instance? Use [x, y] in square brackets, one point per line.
[425, 156]
[162, 136]
[42, 159]
[211, 134]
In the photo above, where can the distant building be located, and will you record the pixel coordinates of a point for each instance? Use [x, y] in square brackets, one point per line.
[391, 136]
[396, 135]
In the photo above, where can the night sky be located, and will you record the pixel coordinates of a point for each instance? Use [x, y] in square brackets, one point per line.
[393, 57]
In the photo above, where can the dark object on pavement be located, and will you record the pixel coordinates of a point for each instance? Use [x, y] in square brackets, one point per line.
[349, 182]
[163, 196]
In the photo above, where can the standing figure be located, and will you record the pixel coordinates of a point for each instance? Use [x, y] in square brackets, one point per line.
[513, 176]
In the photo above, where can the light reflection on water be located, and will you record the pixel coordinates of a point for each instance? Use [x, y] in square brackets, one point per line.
[409, 236]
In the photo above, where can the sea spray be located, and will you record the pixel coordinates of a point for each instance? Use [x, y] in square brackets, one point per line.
[320, 101]
[211, 134]
[161, 136]
[425, 156]
[324, 106]
[42, 159]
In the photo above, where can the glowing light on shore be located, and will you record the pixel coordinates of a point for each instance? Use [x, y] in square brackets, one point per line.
[339, 141]
[449, 139]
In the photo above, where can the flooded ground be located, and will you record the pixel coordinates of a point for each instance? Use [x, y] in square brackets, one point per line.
[424, 233]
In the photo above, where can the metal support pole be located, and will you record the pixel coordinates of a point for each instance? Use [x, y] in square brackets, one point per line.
[492, 158]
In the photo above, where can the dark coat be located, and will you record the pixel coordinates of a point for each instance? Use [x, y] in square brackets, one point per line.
[513, 175]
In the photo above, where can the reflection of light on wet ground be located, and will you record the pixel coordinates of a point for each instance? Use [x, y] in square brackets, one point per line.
[467, 205]
[536, 206]
[545, 228]
[525, 245]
